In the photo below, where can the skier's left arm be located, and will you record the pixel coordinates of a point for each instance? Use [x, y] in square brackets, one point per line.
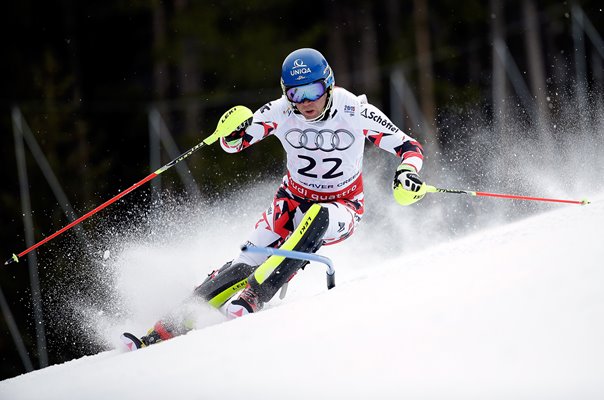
[379, 130]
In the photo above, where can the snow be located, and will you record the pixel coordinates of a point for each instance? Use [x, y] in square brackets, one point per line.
[514, 311]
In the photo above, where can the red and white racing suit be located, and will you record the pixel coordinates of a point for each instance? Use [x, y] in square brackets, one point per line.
[324, 164]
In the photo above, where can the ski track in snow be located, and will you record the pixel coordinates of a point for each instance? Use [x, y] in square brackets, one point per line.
[514, 311]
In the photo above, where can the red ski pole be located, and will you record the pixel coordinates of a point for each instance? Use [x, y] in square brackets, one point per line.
[432, 189]
[227, 124]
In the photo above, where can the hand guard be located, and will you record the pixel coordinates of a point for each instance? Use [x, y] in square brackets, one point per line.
[239, 131]
[407, 186]
[229, 123]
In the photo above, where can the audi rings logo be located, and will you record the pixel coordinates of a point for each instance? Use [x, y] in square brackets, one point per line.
[324, 139]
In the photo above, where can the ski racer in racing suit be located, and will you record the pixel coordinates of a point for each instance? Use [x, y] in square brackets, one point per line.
[323, 130]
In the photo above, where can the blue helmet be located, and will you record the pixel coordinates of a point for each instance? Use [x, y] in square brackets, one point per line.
[303, 67]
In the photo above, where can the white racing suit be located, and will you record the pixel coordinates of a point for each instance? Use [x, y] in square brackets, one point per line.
[324, 164]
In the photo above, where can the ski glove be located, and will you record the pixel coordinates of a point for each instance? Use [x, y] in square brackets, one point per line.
[407, 186]
[239, 131]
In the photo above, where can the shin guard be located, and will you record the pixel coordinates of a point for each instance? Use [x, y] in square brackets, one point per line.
[270, 276]
[230, 279]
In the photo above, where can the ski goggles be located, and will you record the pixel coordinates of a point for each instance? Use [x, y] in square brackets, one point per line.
[311, 92]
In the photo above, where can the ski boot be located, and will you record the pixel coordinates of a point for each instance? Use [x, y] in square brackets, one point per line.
[158, 333]
[247, 303]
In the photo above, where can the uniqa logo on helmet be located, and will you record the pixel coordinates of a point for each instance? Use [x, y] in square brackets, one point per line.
[299, 68]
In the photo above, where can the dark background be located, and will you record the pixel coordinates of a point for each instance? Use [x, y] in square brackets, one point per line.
[84, 75]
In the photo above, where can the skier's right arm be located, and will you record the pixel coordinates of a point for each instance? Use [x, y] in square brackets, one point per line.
[261, 125]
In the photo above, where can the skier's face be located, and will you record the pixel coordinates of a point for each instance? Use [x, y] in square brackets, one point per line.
[312, 109]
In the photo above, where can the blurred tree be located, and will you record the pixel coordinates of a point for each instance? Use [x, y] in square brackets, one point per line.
[190, 71]
[534, 55]
[160, 68]
[354, 47]
[425, 68]
[499, 81]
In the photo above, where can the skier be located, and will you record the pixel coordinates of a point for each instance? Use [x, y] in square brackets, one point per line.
[320, 200]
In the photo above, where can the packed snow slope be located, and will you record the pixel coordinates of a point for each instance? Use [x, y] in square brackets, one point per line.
[512, 312]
